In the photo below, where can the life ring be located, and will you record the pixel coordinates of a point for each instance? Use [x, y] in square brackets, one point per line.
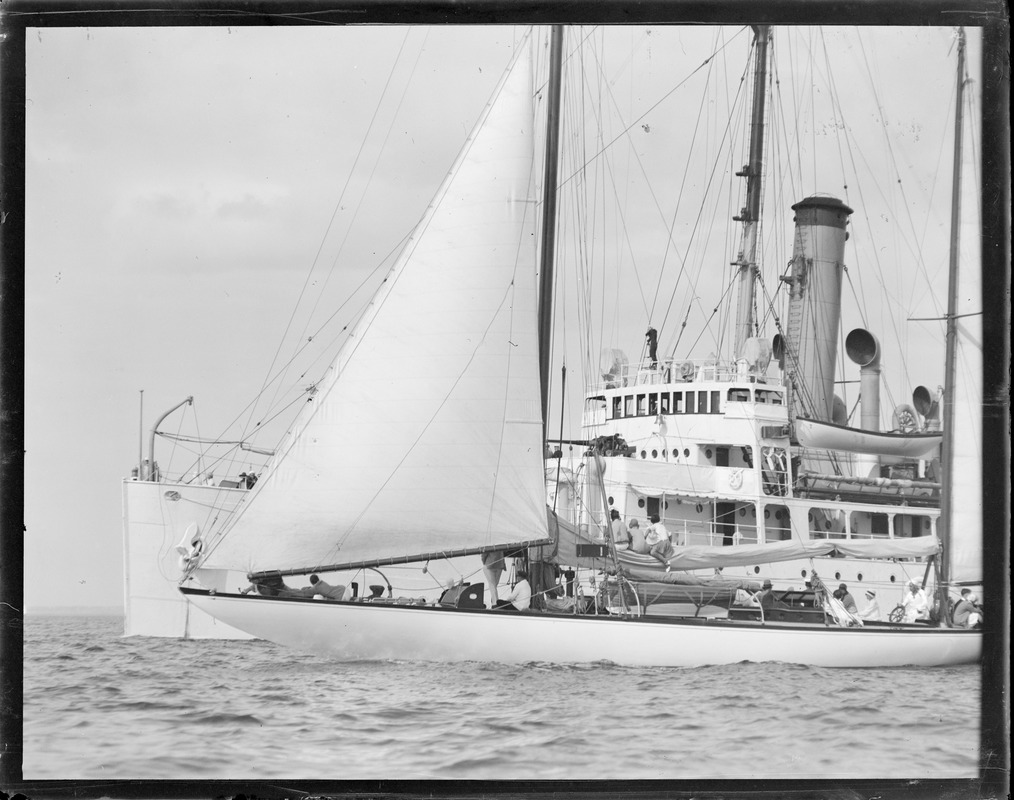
[736, 478]
[687, 370]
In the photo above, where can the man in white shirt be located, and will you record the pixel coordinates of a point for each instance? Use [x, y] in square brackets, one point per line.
[915, 602]
[520, 597]
[657, 539]
[872, 610]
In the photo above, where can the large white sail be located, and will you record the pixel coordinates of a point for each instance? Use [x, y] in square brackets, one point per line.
[426, 436]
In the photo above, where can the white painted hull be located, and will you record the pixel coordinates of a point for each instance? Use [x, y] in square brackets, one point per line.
[152, 526]
[362, 631]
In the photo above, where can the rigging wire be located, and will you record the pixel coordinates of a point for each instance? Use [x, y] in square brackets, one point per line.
[334, 213]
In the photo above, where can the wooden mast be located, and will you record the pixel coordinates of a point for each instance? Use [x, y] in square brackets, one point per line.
[549, 216]
[750, 216]
[950, 369]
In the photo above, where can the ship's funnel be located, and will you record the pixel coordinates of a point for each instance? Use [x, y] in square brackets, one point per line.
[863, 349]
[814, 279]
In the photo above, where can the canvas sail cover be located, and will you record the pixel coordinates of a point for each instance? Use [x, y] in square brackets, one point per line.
[707, 557]
[426, 435]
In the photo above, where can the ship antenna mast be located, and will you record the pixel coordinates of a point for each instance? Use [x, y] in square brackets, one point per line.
[750, 215]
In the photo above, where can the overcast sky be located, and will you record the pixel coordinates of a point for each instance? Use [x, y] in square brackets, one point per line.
[180, 183]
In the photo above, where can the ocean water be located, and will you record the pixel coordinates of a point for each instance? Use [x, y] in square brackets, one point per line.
[98, 705]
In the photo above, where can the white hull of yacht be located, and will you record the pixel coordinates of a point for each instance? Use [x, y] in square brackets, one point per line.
[365, 631]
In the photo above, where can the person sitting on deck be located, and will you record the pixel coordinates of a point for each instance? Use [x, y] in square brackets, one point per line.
[872, 610]
[271, 586]
[637, 543]
[520, 597]
[766, 599]
[621, 539]
[657, 539]
[847, 600]
[325, 590]
[967, 613]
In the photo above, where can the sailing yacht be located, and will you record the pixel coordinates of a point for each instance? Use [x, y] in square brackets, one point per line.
[443, 385]
[749, 461]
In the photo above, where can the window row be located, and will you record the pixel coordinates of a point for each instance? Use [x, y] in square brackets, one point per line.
[655, 403]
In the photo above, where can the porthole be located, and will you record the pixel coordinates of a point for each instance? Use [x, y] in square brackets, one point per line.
[756, 570]
[700, 508]
[686, 453]
[610, 501]
[663, 454]
[707, 454]
[665, 505]
[654, 453]
[778, 514]
[802, 573]
[640, 503]
[837, 576]
[892, 579]
[742, 512]
[644, 454]
[767, 513]
[827, 524]
[859, 577]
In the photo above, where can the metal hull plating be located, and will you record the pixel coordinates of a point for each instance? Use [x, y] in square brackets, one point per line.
[363, 631]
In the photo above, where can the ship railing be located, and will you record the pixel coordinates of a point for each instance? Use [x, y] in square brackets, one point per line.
[665, 371]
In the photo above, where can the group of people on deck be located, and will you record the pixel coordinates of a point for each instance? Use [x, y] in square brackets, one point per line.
[655, 540]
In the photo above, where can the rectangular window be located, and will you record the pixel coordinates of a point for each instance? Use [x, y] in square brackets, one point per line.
[691, 398]
[664, 403]
[617, 407]
[715, 407]
[642, 405]
[628, 406]
[721, 456]
[702, 402]
[677, 402]
[653, 404]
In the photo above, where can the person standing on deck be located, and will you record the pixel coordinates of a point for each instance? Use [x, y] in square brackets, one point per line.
[915, 602]
[492, 569]
[652, 337]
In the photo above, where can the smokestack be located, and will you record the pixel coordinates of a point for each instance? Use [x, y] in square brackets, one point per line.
[814, 279]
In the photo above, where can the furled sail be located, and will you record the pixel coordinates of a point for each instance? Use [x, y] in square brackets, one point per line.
[966, 523]
[426, 434]
[708, 557]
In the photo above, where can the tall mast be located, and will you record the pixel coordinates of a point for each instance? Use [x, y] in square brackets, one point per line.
[950, 371]
[549, 215]
[750, 216]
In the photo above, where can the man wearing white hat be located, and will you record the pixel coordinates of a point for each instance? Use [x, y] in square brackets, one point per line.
[915, 602]
[872, 610]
